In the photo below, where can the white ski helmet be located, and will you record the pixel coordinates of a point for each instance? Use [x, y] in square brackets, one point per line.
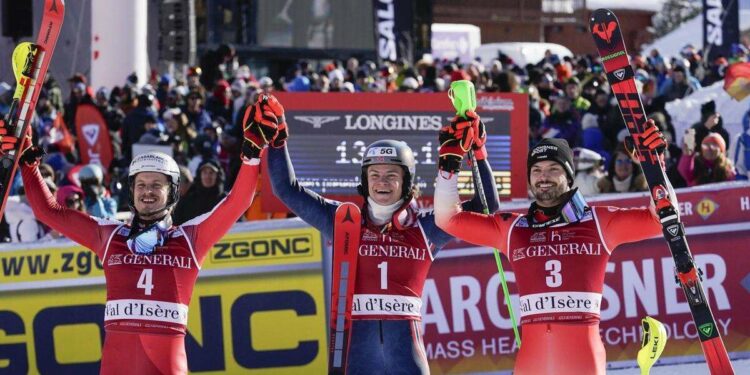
[91, 173]
[156, 162]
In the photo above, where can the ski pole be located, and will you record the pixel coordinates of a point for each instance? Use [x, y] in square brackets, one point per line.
[654, 339]
[464, 98]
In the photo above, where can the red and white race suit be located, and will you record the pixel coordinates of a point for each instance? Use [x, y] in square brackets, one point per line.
[146, 311]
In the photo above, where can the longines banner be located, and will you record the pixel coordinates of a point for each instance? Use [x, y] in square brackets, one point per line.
[467, 328]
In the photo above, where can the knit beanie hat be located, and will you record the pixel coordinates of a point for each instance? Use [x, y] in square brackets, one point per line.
[554, 149]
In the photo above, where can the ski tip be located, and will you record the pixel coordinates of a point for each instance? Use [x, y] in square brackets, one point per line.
[600, 15]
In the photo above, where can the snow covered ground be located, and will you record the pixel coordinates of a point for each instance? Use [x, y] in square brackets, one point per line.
[685, 111]
[741, 366]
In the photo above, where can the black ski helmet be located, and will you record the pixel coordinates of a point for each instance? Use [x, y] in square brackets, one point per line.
[389, 151]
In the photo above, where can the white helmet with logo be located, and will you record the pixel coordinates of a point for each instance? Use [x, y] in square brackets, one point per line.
[155, 162]
[388, 151]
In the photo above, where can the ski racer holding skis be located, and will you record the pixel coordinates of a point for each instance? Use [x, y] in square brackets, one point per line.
[559, 253]
[150, 265]
[397, 245]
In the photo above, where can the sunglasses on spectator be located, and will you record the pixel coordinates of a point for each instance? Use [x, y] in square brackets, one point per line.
[711, 146]
[623, 161]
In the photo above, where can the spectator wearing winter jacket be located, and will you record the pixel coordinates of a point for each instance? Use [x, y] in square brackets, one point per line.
[711, 122]
[206, 191]
[219, 104]
[134, 124]
[588, 167]
[623, 174]
[198, 117]
[707, 165]
[573, 91]
[679, 85]
[78, 95]
[564, 122]
[114, 117]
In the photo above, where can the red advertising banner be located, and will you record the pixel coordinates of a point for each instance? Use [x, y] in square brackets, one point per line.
[94, 144]
[329, 133]
[467, 328]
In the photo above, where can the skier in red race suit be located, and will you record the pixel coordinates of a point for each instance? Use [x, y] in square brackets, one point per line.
[150, 265]
[396, 248]
[559, 253]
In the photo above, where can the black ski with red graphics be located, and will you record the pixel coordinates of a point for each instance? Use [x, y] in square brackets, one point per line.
[605, 28]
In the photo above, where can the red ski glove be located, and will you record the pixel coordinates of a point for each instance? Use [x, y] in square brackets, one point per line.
[7, 142]
[455, 140]
[275, 106]
[260, 127]
[652, 138]
[29, 154]
[480, 136]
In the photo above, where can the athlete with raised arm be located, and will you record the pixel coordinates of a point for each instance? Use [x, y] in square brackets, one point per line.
[150, 265]
[559, 253]
[397, 244]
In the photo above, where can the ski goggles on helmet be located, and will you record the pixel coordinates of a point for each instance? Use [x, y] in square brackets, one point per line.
[146, 241]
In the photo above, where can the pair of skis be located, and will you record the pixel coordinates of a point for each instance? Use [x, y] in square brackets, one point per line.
[605, 29]
[30, 63]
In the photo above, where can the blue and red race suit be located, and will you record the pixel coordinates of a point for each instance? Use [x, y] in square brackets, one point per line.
[393, 263]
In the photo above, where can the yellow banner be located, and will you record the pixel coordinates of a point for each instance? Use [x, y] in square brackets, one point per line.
[242, 249]
[258, 324]
[288, 246]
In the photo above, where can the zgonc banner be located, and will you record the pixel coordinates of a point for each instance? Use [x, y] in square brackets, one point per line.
[467, 328]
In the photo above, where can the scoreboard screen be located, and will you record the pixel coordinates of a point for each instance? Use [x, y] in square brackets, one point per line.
[329, 134]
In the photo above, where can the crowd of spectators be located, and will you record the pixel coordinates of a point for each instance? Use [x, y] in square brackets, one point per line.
[198, 116]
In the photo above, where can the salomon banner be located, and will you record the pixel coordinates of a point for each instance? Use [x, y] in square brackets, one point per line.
[331, 131]
[467, 328]
[94, 144]
[394, 29]
[258, 306]
[721, 28]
